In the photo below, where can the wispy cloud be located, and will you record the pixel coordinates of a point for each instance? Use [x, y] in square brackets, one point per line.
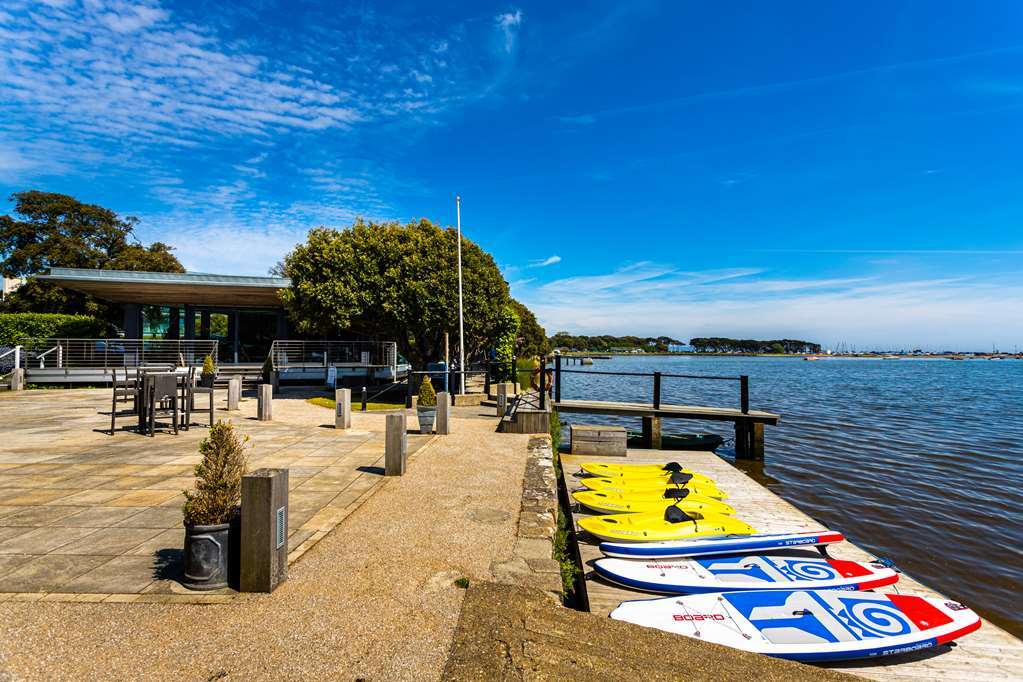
[889, 310]
[508, 25]
[550, 260]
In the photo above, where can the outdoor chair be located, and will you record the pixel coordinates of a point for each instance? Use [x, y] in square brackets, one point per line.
[162, 400]
[125, 390]
[190, 390]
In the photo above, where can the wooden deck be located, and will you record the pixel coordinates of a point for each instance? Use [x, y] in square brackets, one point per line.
[988, 654]
[722, 414]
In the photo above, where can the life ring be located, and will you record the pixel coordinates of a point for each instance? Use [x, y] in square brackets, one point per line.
[548, 379]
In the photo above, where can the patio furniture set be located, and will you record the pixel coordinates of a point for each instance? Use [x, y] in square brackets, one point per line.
[160, 396]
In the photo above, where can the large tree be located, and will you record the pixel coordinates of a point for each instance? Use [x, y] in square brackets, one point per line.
[56, 230]
[395, 282]
[532, 337]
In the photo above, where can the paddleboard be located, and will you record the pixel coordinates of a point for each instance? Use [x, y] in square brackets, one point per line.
[670, 524]
[741, 544]
[808, 625]
[780, 570]
[616, 503]
[650, 486]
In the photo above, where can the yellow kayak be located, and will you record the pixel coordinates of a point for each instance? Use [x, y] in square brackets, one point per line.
[671, 524]
[617, 503]
[649, 486]
[642, 471]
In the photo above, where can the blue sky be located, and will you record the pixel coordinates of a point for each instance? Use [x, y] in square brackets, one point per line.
[836, 172]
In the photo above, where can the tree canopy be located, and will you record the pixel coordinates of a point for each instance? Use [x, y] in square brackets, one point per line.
[56, 230]
[607, 343]
[395, 282]
[724, 345]
[532, 339]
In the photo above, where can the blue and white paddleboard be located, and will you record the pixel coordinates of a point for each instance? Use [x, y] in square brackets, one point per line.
[738, 544]
[808, 625]
[778, 570]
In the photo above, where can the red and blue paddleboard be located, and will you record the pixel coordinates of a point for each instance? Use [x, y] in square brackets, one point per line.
[808, 625]
[780, 570]
[738, 544]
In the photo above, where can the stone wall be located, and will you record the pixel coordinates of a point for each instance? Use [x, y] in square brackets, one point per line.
[531, 563]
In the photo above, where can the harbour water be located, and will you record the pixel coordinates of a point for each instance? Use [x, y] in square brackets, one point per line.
[919, 461]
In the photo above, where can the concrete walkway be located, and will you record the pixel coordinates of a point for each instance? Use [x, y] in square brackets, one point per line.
[375, 598]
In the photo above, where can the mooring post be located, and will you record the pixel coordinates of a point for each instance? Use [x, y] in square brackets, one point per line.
[742, 439]
[234, 393]
[264, 409]
[657, 390]
[263, 555]
[557, 378]
[395, 445]
[443, 426]
[343, 408]
[744, 394]
[652, 432]
[757, 441]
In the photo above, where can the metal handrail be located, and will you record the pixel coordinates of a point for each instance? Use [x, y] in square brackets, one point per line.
[301, 353]
[116, 352]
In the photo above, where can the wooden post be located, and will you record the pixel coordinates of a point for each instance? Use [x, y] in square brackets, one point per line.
[18, 379]
[263, 555]
[542, 383]
[275, 381]
[395, 445]
[264, 410]
[234, 393]
[744, 394]
[652, 432]
[757, 441]
[343, 408]
[742, 440]
[443, 426]
[557, 378]
[657, 390]
[410, 388]
[502, 398]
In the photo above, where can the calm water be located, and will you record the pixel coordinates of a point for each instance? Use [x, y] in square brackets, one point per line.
[920, 461]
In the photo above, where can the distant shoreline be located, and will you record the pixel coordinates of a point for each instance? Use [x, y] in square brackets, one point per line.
[820, 356]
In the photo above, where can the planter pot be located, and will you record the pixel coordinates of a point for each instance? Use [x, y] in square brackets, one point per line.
[206, 380]
[426, 417]
[207, 551]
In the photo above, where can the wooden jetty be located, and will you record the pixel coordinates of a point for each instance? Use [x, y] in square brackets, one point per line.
[988, 654]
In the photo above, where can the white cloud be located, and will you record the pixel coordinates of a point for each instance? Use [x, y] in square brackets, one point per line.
[508, 25]
[550, 260]
[883, 311]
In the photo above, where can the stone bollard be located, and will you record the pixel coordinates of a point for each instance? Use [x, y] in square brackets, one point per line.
[502, 399]
[264, 410]
[343, 408]
[395, 445]
[443, 426]
[18, 379]
[234, 393]
[263, 556]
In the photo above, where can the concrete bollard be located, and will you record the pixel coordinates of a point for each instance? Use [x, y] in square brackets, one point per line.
[264, 410]
[395, 445]
[18, 379]
[263, 556]
[443, 426]
[234, 393]
[343, 408]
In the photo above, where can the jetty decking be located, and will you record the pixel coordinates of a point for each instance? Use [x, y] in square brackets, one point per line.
[988, 654]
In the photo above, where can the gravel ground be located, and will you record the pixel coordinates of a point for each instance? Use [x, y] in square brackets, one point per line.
[375, 599]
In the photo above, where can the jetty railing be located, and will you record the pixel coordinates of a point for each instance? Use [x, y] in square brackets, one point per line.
[657, 377]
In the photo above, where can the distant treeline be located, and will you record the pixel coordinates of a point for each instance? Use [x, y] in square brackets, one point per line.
[721, 345]
[607, 344]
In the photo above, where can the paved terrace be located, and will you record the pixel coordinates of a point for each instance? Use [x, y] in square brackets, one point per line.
[87, 516]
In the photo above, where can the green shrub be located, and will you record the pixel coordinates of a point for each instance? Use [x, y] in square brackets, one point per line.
[209, 368]
[427, 396]
[16, 327]
[218, 477]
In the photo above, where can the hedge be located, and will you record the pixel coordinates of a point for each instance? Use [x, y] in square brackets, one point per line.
[15, 327]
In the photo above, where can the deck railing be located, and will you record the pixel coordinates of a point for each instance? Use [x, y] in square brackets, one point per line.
[306, 354]
[46, 353]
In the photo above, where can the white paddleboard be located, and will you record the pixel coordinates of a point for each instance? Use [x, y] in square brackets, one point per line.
[739, 544]
[778, 570]
[808, 625]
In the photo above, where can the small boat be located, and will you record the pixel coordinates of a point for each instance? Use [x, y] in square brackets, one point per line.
[680, 441]
[809, 358]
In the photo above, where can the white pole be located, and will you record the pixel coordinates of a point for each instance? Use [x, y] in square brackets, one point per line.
[461, 326]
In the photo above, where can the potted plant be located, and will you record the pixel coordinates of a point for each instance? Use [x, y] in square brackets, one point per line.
[426, 406]
[209, 372]
[211, 506]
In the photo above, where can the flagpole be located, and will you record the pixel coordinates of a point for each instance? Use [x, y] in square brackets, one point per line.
[461, 326]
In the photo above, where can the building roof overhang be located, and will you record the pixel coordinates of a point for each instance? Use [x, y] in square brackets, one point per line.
[171, 288]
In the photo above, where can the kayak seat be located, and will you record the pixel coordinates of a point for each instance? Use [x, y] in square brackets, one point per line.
[672, 466]
[678, 478]
[675, 515]
[676, 493]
